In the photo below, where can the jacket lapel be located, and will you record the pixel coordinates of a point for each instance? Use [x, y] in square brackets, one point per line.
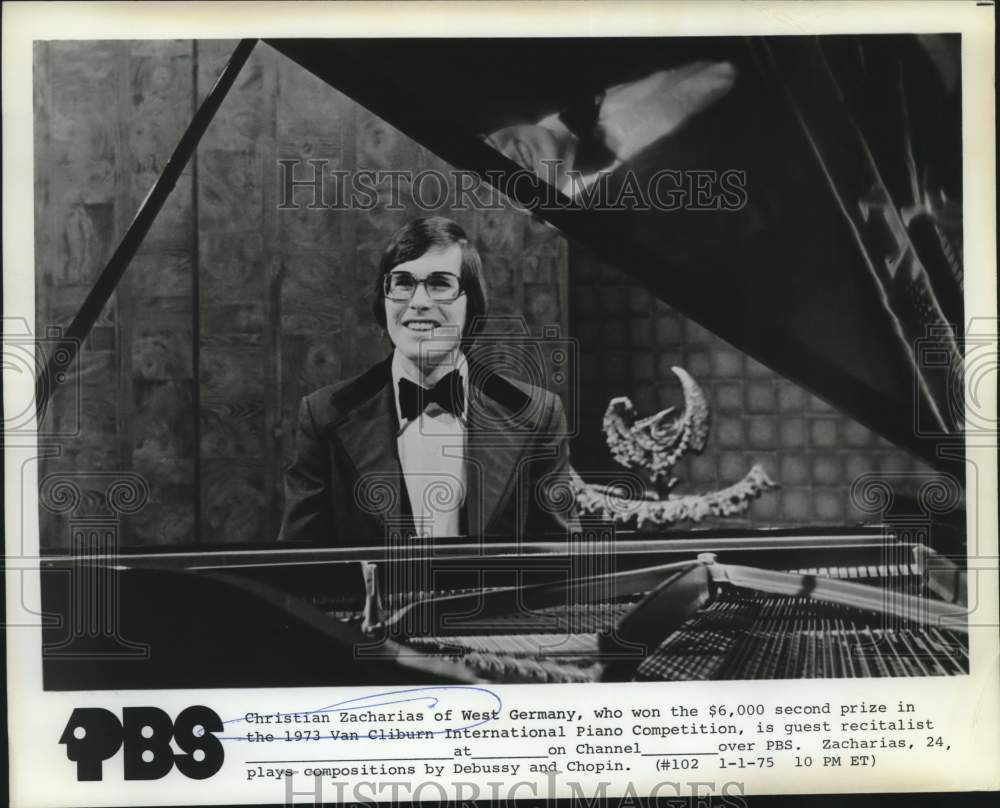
[495, 444]
[368, 435]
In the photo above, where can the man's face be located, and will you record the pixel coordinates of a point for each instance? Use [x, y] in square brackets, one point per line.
[425, 330]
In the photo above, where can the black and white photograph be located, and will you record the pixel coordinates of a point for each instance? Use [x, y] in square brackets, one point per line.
[469, 361]
[660, 398]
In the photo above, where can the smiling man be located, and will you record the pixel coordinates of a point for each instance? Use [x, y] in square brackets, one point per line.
[429, 441]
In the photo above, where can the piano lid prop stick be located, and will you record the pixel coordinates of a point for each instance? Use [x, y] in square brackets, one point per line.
[374, 612]
[60, 359]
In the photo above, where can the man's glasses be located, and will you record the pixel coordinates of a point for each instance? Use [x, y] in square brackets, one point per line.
[441, 287]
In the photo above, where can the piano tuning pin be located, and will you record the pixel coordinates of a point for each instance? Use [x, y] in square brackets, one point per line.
[513, 667]
[528, 669]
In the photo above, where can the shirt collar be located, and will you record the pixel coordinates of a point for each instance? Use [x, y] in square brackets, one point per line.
[401, 370]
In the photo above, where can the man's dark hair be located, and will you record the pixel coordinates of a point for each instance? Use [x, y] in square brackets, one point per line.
[420, 236]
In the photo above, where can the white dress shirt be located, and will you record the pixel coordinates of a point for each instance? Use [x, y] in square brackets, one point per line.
[432, 455]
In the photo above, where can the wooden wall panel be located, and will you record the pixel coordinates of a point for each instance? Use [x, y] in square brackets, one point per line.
[77, 154]
[157, 359]
[234, 243]
[314, 289]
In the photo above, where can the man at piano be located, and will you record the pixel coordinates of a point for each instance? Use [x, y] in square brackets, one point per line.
[429, 442]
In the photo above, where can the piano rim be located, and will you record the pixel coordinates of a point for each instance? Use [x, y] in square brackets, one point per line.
[228, 558]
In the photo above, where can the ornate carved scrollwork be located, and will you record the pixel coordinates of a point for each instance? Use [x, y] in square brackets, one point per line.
[650, 448]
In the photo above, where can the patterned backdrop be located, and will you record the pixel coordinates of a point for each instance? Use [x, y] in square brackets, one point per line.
[629, 340]
[234, 308]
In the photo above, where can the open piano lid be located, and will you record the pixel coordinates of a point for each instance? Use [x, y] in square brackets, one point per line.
[839, 271]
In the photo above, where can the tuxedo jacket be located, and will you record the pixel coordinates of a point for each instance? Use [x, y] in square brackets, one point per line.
[344, 486]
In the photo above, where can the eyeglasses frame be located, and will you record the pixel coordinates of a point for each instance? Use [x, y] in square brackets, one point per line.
[418, 282]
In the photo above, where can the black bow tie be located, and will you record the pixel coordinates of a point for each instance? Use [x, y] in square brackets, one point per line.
[448, 394]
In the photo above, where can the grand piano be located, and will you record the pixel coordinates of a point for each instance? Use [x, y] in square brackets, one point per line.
[846, 316]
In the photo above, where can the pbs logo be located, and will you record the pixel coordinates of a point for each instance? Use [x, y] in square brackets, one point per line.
[94, 735]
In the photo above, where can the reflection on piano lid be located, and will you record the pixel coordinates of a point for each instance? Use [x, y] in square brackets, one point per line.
[760, 607]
